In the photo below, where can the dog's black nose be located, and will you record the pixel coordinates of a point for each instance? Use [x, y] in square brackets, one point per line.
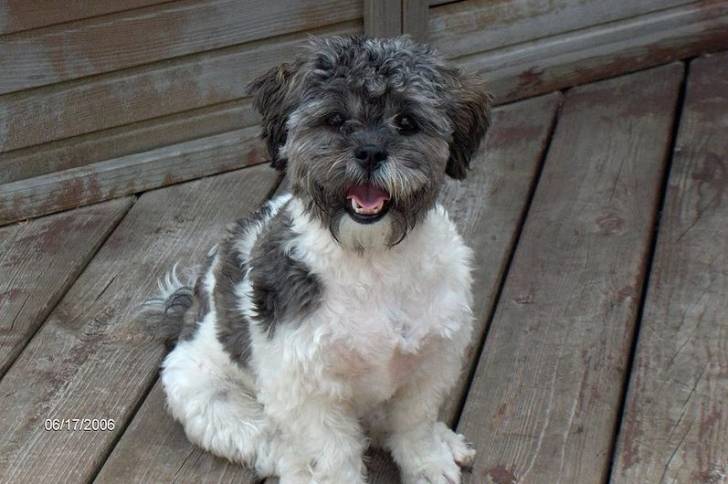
[370, 156]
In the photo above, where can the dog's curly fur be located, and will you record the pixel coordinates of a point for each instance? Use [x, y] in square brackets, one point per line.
[323, 321]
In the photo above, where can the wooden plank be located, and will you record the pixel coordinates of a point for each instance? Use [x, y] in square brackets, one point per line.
[39, 261]
[414, 19]
[146, 35]
[383, 18]
[130, 174]
[488, 208]
[473, 26]
[603, 51]
[18, 15]
[91, 359]
[502, 175]
[64, 110]
[543, 404]
[675, 426]
[124, 140]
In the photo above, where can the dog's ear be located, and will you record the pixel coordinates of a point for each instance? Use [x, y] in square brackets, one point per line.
[272, 97]
[469, 113]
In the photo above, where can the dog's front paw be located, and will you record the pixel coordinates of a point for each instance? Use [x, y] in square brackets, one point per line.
[434, 460]
[462, 452]
[437, 468]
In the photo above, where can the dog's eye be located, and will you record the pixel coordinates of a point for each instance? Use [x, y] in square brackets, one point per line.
[405, 124]
[335, 120]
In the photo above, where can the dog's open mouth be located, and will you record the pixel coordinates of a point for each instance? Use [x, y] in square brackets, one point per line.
[367, 203]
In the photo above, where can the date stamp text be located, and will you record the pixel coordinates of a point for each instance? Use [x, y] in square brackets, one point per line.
[79, 424]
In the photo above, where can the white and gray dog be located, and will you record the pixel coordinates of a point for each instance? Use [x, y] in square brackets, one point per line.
[338, 314]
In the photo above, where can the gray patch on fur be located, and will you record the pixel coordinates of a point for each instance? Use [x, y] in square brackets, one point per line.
[369, 83]
[284, 289]
[233, 328]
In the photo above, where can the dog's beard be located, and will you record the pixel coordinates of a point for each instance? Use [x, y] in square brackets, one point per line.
[365, 237]
[330, 210]
[330, 205]
[391, 229]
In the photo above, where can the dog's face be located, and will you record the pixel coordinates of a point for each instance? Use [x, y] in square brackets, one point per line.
[368, 129]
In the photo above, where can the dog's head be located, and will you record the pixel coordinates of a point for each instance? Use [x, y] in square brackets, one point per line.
[368, 129]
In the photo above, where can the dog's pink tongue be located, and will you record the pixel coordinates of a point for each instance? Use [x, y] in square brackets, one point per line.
[367, 196]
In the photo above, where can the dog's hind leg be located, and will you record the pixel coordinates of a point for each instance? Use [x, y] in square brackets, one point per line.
[214, 399]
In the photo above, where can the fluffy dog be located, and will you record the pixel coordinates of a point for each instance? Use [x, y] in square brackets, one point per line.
[338, 314]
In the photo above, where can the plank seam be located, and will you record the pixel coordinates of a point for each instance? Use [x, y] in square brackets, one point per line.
[50, 145]
[447, 2]
[122, 428]
[509, 261]
[209, 175]
[649, 259]
[82, 268]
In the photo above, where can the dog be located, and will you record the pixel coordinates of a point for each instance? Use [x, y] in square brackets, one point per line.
[338, 314]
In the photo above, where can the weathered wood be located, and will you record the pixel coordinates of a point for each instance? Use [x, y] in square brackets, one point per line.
[104, 44]
[469, 27]
[675, 425]
[602, 51]
[39, 261]
[18, 15]
[544, 400]
[383, 18]
[125, 140]
[92, 358]
[414, 19]
[526, 69]
[130, 174]
[488, 208]
[69, 109]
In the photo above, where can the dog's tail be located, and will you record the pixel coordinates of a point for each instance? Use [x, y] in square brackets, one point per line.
[164, 314]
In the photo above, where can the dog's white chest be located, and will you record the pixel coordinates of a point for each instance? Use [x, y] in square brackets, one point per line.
[377, 368]
[385, 314]
[384, 331]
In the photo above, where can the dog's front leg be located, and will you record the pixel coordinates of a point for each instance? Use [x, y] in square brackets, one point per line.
[427, 451]
[320, 440]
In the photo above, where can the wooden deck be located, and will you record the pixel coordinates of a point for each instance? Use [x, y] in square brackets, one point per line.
[599, 218]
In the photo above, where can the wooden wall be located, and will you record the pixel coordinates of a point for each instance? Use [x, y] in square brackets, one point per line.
[529, 47]
[106, 98]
